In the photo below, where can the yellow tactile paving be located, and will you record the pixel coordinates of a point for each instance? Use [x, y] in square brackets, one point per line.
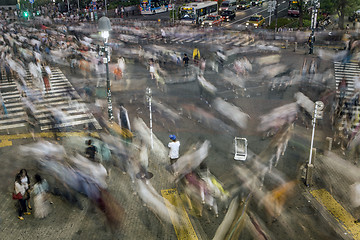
[340, 214]
[185, 231]
[6, 140]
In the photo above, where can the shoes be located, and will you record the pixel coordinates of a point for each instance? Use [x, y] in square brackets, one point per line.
[20, 217]
[27, 213]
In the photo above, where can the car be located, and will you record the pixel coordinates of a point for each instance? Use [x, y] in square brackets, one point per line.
[257, 2]
[228, 15]
[255, 21]
[212, 20]
[244, 5]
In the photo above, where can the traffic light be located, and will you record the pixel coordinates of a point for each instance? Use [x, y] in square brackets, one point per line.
[319, 106]
[26, 14]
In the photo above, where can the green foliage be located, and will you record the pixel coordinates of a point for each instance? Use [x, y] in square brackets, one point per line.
[115, 4]
[281, 22]
[8, 2]
[328, 6]
[290, 23]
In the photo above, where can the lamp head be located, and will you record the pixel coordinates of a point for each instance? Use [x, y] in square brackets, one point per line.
[104, 27]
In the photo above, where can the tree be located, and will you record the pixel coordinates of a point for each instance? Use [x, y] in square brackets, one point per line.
[341, 7]
[7, 2]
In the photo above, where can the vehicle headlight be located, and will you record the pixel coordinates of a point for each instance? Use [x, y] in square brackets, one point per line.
[210, 24]
[255, 24]
[247, 23]
[202, 23]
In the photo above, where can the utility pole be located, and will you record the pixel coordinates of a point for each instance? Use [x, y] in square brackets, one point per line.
[271, 8]
[276, 14]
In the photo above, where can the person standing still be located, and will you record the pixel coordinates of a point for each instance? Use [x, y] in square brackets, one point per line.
[20, 188]
[174, 146]
[186, 64]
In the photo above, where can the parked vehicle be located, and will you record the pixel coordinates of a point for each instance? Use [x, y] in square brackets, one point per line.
[154, 6]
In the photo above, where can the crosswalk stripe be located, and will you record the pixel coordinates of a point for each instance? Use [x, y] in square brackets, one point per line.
[75, 123]
[10, 126]
[68, 118]
[8, 120]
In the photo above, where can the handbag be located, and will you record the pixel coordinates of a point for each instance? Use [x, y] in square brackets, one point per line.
[17, 196]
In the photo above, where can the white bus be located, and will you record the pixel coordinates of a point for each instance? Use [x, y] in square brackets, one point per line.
[197, 11]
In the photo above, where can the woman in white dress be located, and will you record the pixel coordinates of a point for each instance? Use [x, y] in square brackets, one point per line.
[41, 204]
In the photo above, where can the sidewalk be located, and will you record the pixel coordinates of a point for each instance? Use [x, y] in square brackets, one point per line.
[333, 177]
[67, 221]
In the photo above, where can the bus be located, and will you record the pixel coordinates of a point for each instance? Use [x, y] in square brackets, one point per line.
[196, 12]
[293, 8]
[154, 6]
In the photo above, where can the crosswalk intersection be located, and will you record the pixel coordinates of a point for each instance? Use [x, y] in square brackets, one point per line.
[76, 111]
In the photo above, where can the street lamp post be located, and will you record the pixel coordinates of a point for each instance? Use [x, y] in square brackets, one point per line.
[149, 97]
[104, 29]
[318, 113]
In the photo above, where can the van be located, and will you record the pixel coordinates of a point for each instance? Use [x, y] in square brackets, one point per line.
[228, 5]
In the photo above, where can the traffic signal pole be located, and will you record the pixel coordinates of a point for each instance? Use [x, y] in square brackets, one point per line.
[318, 113]
[316, 5]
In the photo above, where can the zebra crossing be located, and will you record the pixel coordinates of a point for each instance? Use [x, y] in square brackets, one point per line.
[348, 71]
[236, 40]
[351, 73]
[76, 111]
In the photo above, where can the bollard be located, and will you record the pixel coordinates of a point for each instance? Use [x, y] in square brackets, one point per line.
[309, 173]
[295, 47]
[286, 44]
[330, 140]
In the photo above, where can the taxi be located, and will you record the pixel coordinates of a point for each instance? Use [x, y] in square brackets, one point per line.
[212, 20]
[255, 21]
